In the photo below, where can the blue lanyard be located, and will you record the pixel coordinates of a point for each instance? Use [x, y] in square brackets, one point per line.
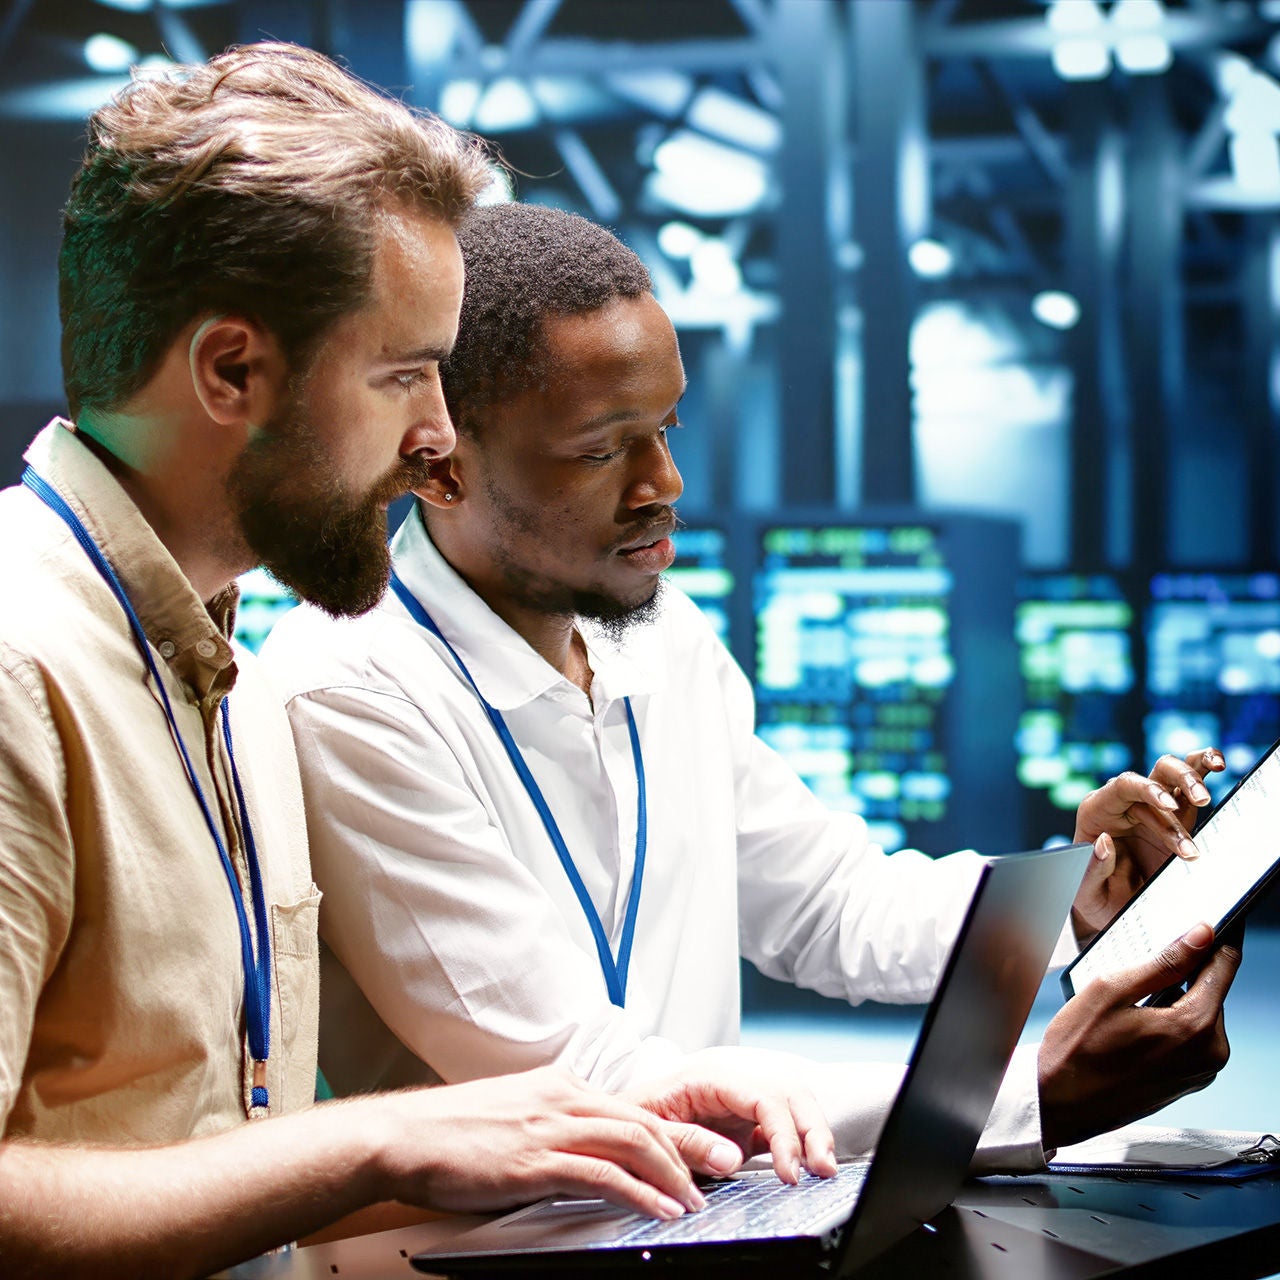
[615, 973]
[257, 974]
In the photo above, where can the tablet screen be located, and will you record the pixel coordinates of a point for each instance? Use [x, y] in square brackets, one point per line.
[1238, 846]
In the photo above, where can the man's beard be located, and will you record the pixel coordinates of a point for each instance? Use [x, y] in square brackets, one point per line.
[322, 542]
[612, 615]
[615, 619]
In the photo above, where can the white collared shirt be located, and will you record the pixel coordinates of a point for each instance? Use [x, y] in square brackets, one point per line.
[454, 929]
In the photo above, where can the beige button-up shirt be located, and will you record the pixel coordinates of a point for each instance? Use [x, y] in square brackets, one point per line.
[121, 984]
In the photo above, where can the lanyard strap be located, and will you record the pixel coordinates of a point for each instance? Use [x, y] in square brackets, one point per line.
[615, 972]
[257, 972]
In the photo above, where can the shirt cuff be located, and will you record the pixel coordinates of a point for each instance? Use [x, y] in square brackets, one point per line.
[1011, 1141]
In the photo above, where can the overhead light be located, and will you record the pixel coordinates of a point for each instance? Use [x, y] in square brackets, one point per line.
[1255, 161]
[571, 98]
[1081, 58]
[458, 101]
[1137, 15]
[109, 54]
[664, 93]
[431, 30]
[714, 268]
[704, 178]
[733, 119]
[1255, 105]
[1074, 17]
[1140, 48]
[1056, 309]
[678, 240]
[930, 259]
[703, 199]
[507, 104]
[1148, 55]
[1231, 71]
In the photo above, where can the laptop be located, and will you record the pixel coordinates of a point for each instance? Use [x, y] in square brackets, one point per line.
[968, 1035]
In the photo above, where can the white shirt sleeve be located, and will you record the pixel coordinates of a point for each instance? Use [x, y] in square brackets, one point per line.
[821, 906]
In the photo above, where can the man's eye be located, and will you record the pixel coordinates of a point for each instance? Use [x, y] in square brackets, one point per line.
[411, 379]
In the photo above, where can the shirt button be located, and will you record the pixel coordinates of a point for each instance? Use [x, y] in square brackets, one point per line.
[167, 648]
[206, 648]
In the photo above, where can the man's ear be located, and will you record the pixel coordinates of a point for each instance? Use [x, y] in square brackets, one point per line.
[444, 487]
[238, 370]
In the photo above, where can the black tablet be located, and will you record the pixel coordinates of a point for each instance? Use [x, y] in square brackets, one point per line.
[1239, 845]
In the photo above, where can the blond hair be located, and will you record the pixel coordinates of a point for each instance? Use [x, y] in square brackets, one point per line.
[249, 184]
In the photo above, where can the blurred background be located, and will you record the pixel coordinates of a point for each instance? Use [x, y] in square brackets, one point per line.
[979, 302]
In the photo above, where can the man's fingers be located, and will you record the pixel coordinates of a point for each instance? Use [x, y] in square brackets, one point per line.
[1100, 867]
[819, 1142]
[572, 1173]
[651, 1155]
[1131, 803]
[773, 1115]
[1187, 775]
[1214, 980]
[1171, 966]
[1164, 830]
[704, 1151]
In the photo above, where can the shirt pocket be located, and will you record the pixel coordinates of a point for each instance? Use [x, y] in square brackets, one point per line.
[296, 949]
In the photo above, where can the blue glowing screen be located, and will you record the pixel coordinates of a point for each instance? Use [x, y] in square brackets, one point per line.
[1213, 667]
[1075, 634]
[853, 663]
[702, 572]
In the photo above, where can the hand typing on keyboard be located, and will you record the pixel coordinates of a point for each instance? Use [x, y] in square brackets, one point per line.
[757, 1110]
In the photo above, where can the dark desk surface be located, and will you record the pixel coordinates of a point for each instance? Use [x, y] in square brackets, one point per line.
[1029, 1228]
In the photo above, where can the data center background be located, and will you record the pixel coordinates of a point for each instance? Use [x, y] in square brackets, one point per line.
[979, 302]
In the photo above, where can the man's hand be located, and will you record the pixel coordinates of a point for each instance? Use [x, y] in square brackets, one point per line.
[494, 1143]
[1105, 1062]
[1135, 824]
[759, 1111]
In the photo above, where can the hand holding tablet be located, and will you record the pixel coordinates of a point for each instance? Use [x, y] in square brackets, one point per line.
[1239, 848]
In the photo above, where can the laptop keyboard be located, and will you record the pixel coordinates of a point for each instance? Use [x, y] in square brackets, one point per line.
[757, 1208]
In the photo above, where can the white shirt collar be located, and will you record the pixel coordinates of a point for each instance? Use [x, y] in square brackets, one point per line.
[506, 669]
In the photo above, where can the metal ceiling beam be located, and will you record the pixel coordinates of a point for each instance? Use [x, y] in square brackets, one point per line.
[1154, 341]
[530, 26]
[807, 48]
[754, 14]
[892, 207]
[1094, 213]
[179, 40]
[590, 177]
[1260, 286]
[1208, 142]
[1045, 149]
[564, 56]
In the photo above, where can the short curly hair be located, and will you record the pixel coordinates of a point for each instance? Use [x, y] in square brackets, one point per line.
[524, 262]
[250, 183]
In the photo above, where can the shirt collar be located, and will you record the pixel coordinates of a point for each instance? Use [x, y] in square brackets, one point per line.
[506, 669]
[191, 638]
